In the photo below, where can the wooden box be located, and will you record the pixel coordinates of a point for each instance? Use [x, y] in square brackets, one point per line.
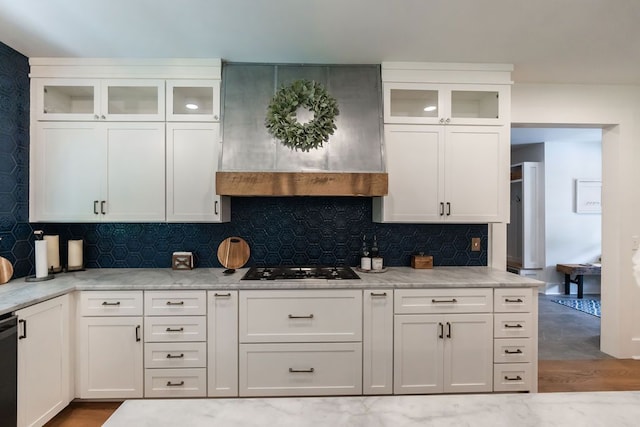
[421, 261]
[182, 261]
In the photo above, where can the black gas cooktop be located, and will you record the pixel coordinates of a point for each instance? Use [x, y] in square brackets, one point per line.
[304, 272]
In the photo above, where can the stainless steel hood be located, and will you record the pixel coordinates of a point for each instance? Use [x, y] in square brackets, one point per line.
[253, 163]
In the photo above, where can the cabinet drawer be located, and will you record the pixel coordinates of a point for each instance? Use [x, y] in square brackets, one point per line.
[175, 382]
[512, 377]
[168, 328]
[175, 303]
[175, 355]
[421, 301]
[110, 303]
[300, 369]
[512, 350]
[300, 316]
[512, 300]
[512, 325]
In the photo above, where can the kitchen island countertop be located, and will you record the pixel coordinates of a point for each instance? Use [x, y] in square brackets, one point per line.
[18, 294]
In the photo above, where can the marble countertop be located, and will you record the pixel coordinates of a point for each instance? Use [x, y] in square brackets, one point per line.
[18, 294]
[491, 410]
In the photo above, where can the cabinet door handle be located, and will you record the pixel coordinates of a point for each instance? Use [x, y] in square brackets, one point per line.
[95, 207]
[171, 356]
[378, 294]
[291, 316]
[448, 120]
[106, 303]
[170, 384]
[518, 325]
[441, 209]
[175, 303]
[444, 301]
[227, 295]
[102, 207]
[441, 330]
[516, 378]
[175, 329]
[448, 208]
[448, 330]
[295, 371]
[24, 329]
[138, 333]
[215, 207]
[513, 300]
[97, 117]
[103, 117]
[518, 351]
[442, 120]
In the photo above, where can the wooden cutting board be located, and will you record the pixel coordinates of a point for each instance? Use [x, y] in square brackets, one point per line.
[6, 270]
[233, 252]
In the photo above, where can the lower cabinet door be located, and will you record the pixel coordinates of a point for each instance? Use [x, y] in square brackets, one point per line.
[175, 355]
[300, 369]
[512, 377]
[175, 382]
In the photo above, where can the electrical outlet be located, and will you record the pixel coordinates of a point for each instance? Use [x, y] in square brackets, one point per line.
[475, 244]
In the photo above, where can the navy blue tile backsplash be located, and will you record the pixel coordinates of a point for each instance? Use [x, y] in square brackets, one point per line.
[279, 230]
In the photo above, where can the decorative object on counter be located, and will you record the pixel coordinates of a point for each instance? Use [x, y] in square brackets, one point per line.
[376, 259]
[42, 265]
[282, 122]
[182, 261]
[6, 270]
[421, 261]
[233, 253]
[376, 263]
[365, 255]
[75, 258]
[53, 253]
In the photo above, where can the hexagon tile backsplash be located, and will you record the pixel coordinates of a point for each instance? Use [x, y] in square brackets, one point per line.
[279, 230]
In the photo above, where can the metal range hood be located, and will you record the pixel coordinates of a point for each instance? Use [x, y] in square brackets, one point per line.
[253, 163]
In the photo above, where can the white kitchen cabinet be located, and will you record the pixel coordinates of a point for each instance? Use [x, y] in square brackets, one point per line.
[44, 361]
[91, 172]
[109, 345]
[99, 99]
[445, 174]
[222, 343]
[456, 104]
[193, 100]
[377, 342]
[439, 353]
[192, 161]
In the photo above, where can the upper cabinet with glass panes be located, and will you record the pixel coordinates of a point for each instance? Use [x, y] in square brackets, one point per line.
[424, 103]
[100, 100]
[193, 100]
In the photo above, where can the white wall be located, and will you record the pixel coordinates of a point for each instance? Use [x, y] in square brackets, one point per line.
[617, 110]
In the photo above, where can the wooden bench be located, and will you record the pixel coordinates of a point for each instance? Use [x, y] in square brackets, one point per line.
[579, 270]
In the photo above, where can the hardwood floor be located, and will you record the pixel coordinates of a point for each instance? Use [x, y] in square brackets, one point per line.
[553, 376]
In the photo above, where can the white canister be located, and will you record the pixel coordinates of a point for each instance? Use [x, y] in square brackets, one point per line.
[376, 263]
[365, 263]
[74, 260]
[42, 267]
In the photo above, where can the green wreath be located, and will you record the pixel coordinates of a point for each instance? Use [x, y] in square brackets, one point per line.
[281, 115]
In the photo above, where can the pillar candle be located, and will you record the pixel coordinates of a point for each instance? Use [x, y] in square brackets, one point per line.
[75, 254]
[53, 251]
[42, 267]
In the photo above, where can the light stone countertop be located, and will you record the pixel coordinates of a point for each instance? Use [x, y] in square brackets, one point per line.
[593, 409]
[18, 294]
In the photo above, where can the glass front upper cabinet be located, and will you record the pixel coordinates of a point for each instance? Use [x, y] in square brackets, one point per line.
[443, 104]
[96, 100]
[193, 100]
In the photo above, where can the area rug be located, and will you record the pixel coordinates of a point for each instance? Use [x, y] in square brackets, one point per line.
[589, 306]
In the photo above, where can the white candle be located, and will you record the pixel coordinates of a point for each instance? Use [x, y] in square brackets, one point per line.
[75, 254]
[376, 263]
[53, 251]
[42, 267]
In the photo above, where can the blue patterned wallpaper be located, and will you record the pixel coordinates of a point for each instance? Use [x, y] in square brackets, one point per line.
[279, 230]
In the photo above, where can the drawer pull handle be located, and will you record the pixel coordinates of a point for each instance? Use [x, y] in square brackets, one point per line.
[513, 300]
[110, 303]
[171, 356]
[170, 384]
[227, 295]
[444, 301]
[513, 326]
[310, 370]
[291, 316]
[175, 329]
[378, 294]
[518, 351]
[175, 303]
[517, 378]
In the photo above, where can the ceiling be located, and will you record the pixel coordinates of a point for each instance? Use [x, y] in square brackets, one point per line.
[548, 41]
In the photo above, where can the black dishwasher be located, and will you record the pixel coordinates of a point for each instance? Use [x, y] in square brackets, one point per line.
[8, 370]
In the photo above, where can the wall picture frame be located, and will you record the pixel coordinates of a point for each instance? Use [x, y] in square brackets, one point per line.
[588, 196]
